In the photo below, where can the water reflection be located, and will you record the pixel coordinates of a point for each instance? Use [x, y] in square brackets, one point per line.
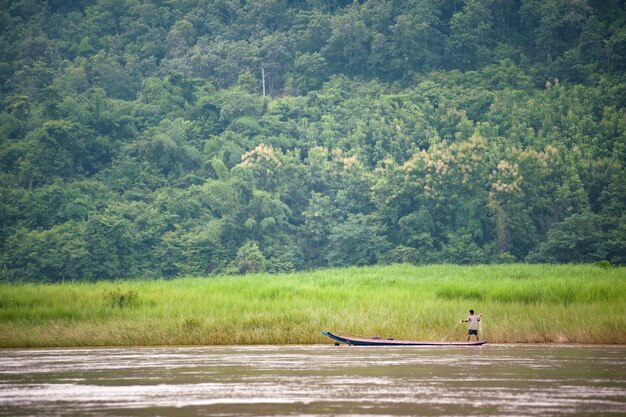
[314, 380]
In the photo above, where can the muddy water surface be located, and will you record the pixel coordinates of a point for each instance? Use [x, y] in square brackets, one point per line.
[498, 380]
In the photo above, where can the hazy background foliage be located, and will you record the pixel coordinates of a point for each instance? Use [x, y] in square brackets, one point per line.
[135, 140]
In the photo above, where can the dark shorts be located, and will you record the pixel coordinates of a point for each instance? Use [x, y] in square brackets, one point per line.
[471, 332]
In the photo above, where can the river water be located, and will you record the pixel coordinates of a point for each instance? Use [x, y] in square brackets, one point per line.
[492, 380]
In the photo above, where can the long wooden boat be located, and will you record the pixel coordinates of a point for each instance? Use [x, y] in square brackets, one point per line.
[379, 341]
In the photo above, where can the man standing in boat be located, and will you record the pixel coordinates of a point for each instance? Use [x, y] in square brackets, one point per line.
[473, 325]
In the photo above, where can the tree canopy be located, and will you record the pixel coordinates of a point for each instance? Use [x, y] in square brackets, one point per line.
[155, 139]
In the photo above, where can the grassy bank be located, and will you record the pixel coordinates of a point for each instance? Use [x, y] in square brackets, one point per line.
[520, 303]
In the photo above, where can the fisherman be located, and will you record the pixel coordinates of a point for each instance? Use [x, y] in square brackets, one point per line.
[473, 325]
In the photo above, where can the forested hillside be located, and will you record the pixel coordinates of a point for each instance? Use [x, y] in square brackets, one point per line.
[161, 138]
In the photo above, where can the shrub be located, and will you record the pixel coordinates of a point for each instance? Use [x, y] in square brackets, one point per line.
[118, 298]
[604, 264]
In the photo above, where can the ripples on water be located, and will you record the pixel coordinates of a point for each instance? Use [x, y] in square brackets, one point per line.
[509, 380]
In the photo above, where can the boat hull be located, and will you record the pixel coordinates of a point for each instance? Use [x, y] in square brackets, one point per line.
[377, 341]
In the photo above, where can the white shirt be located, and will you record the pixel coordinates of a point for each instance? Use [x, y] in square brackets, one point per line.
[473, 322]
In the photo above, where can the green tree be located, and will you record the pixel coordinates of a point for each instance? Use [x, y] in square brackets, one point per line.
[579, 238]
[249, 259]
[61, 149]
[348, 47]
[84, 48]
[556, 26]
[471, 40]
[56, 254]
[417, 40]
[461, 249]
[357, 241]
[309, 72]
[198, 251]
[108, 241]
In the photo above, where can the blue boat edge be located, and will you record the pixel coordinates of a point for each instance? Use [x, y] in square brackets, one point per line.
[390, 342]
[335, 337]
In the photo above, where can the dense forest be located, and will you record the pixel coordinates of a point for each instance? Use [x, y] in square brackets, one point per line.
[157, 138]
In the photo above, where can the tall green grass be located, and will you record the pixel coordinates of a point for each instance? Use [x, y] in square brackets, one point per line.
[520, 303]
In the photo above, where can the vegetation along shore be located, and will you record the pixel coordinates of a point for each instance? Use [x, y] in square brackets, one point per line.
[519, 303]
[165, 139]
